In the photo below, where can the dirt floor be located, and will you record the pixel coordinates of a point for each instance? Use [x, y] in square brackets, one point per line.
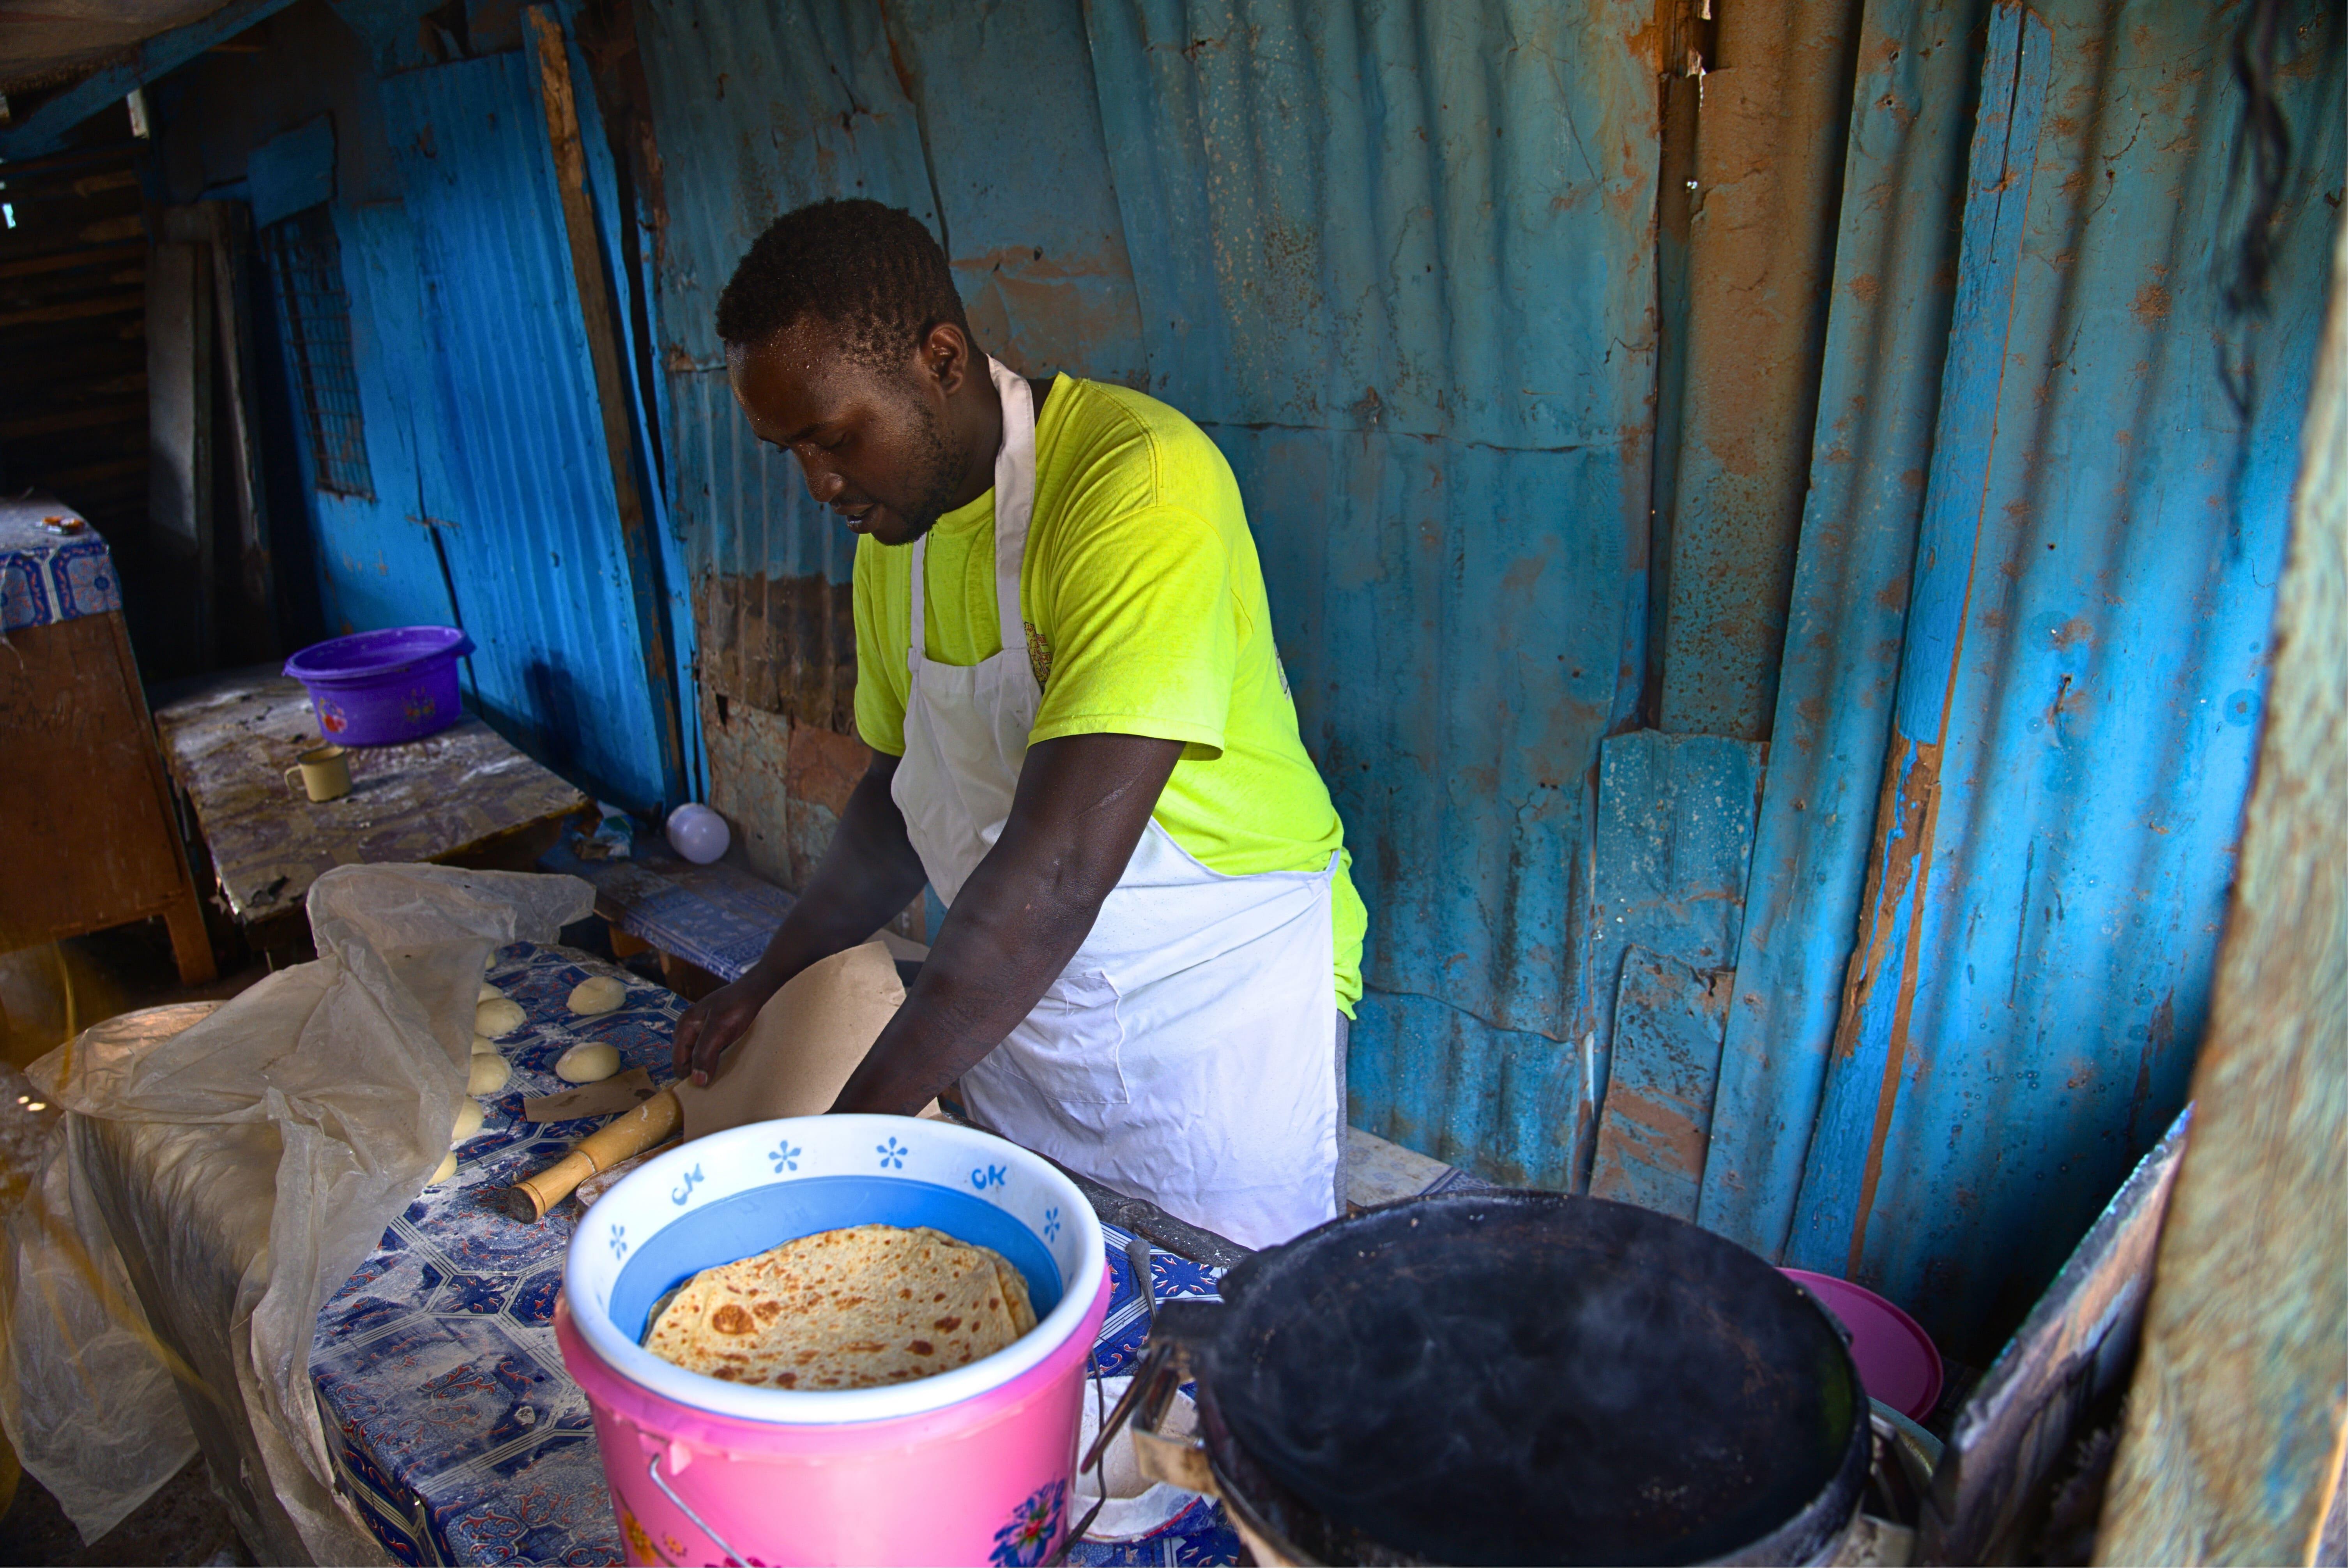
[184, 1522]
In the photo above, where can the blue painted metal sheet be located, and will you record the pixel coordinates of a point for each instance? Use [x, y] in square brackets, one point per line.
[292, 172]
[524, 502]
[1424, 220]
[376, 564]
[2064, 756]
[636, 310]
[760, 108]
[1022, 182]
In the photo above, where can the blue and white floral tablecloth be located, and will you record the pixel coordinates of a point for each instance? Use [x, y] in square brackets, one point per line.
[443, 1396]
[48, 576]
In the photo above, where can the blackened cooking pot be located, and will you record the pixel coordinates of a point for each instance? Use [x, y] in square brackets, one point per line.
[1513, 1376]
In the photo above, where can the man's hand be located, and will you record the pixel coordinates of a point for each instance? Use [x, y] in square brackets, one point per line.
[711, 1025]
[868, 876]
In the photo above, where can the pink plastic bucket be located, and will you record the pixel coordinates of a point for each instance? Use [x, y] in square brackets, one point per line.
[971, 1466]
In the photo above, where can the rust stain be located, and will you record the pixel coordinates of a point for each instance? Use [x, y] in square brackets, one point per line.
[1889, 873]
[2151, 304]
[785, 645]
[2073, 632]
[1672, 1138]
[824, 767]
[1866, 289]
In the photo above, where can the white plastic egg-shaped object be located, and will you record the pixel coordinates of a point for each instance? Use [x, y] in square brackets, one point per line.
[698, 833]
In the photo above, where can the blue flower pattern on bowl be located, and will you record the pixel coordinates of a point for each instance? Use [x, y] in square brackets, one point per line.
[1051, 1224]
[619, 1242]
[1035, 1525]
[892, 1154]
[784, 1157]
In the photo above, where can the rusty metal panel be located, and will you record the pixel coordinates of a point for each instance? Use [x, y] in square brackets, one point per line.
[1398, 260]
[2078, 685]
[1672, 851]
[1651, 1141]
[1895, 266]
[1769, 144]
[757, 109]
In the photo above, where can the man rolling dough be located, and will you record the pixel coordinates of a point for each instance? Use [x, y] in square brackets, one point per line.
[1082, 742]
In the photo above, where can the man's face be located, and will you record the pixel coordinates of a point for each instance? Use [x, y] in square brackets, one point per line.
[876, 443]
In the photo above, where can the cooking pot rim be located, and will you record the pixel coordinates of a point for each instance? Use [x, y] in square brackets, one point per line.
[1261, 1500]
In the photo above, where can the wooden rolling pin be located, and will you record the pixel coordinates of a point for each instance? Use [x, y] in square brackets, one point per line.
[623, 1137]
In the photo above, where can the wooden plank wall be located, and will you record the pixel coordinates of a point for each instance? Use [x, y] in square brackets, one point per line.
[72, 302]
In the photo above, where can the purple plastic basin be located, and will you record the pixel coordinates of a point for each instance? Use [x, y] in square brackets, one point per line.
[379, 688]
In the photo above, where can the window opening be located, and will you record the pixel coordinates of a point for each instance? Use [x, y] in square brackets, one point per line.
[308, 263]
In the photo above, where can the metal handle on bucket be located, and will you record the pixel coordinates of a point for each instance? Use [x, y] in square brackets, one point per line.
[652, 1469]
[1159, 1454]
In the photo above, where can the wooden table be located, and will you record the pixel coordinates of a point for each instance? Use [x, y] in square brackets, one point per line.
[87, 840]
[465, 797]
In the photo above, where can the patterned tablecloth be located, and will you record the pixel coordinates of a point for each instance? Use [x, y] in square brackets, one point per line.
[443, 1396]
[719, 916]
[46, 576]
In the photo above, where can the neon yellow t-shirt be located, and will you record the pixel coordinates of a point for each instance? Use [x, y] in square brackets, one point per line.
[1145, 615]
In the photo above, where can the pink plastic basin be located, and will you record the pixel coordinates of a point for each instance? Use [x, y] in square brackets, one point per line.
[1897, 1362]
[971, 1466]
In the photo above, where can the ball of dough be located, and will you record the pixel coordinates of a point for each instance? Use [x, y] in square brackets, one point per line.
[443, 1171]
[497, 1018]
[484, 1046]
[489, 993]
[489, 1075]
[588, 1063]
[601, 994]
[470, 1116]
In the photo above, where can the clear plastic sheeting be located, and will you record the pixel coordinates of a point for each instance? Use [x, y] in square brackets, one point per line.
[227, 1170]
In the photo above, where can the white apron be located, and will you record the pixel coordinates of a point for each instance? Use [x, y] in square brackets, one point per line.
[1187, 1053]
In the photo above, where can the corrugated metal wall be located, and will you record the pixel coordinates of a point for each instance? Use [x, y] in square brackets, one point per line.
[2031, 615]
[1399, 261]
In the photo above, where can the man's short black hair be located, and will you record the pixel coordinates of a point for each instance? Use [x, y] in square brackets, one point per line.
[872, 271]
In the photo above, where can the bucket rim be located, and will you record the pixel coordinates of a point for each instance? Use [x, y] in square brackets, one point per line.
[594, 1260]
[397, 648]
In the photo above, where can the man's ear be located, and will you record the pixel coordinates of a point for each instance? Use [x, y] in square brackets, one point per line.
[946, 356]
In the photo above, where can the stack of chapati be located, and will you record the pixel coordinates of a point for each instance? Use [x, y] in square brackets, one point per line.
[851, 1309]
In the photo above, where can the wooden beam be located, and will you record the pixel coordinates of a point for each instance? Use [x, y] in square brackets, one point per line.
[2231, 1447]
[45, 129]
[598, 309]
